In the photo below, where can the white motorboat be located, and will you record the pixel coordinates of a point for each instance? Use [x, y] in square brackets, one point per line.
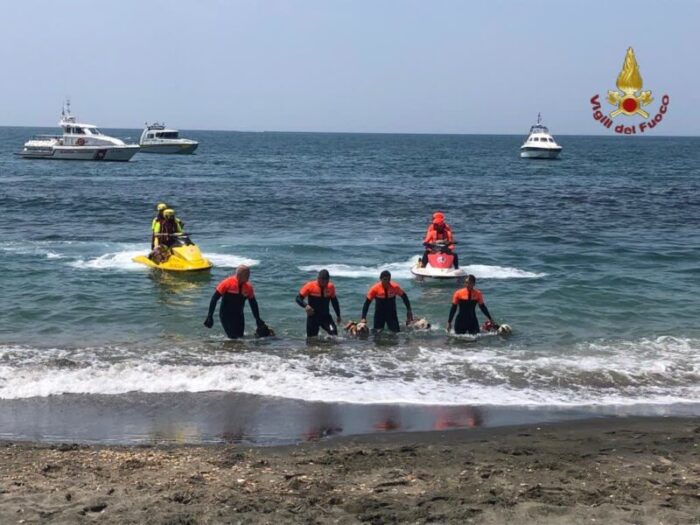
[156, 138]
[78, 142]
[540, 144]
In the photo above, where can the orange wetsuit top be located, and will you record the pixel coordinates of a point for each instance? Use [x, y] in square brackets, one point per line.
[230, 286]
[319, 297]
[432, 235]
[378, 291]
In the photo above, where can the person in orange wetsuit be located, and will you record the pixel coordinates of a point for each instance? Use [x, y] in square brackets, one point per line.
[465, 299]
[439, 231]
[234, 291]
[319, 294]
[385, 292]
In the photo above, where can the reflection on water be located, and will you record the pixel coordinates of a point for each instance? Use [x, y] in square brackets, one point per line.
[181, 287]
[214, 417]
[218, 417]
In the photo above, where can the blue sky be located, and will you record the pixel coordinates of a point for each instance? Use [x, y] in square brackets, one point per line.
[439, 66]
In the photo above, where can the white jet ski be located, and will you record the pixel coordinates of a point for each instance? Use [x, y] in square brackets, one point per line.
[440, 264]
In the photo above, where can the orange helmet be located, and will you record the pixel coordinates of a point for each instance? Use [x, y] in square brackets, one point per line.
[438, 216]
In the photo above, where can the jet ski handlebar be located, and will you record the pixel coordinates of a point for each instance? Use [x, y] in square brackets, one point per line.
[442, 247]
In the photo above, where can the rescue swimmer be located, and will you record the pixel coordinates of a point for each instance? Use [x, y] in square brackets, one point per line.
[233, 292]
[465, 300]
[319, 293]
[439, 231]
[385, 293]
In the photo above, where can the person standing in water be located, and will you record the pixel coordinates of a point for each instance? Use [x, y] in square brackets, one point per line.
[385, 292]
[320, 294]
[234, 290]
[466, 299]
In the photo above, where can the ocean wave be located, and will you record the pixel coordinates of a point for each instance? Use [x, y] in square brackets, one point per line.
[33, 249]
[402, 270]
[662, 370]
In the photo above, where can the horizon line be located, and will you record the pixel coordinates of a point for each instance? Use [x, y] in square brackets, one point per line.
[445, 133]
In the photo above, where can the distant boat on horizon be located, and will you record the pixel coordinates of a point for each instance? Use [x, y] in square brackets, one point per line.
[156, 138]
[540, 144]
[79, 141]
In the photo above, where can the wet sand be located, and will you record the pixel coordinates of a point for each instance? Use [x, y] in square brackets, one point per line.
[618, 470]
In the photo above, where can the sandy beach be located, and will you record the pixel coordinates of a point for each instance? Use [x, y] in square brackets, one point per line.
[617, 470]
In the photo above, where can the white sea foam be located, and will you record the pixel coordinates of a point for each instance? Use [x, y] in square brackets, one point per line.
[110, 261]
[122, 260]
[402, 270]
[230, 261]
[399, 270]
[664, 370]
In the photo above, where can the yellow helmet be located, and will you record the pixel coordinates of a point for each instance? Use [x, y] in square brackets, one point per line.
[169, 212]
[161, 206]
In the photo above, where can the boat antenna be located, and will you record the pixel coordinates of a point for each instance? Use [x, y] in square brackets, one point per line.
[539, 118]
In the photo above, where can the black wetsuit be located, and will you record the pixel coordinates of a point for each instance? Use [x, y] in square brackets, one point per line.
[385, 308]
[466, 301]
[231, 312]
[319, 299]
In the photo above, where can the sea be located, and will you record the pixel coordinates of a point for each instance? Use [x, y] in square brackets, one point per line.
[593, 260]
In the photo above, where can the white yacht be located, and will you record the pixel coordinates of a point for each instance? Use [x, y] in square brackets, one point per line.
[156, 138]
[540, 144]
[78, 142]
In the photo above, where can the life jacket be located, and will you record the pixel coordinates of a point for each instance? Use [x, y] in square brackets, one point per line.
[433, 235]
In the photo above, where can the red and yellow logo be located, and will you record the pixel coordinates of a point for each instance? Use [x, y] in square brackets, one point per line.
[629, 99]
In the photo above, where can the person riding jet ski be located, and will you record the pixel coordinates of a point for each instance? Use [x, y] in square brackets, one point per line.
[160, 208]
[439, 232]
[164, 230]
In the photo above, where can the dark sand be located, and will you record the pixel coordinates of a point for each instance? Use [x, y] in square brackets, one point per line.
[621, 470]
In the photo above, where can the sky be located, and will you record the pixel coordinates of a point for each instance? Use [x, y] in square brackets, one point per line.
[395, 66]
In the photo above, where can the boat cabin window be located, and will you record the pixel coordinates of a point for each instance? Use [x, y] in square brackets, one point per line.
[95, 131]
[550, 140]
[150, 135]
[76, 131]
[167, 135]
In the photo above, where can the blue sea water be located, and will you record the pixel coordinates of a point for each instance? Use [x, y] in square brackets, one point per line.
[594, 259]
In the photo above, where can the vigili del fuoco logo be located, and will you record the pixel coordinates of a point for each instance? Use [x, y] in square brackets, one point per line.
[629, 100]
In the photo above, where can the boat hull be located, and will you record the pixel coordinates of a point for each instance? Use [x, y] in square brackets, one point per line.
[107, 154]
[170, 149]
[540, 153]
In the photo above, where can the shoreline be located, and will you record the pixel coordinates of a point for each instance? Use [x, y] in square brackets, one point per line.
[233, 417]
[611, 470]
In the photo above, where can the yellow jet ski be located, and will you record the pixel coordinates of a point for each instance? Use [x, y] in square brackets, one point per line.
[182, 256]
